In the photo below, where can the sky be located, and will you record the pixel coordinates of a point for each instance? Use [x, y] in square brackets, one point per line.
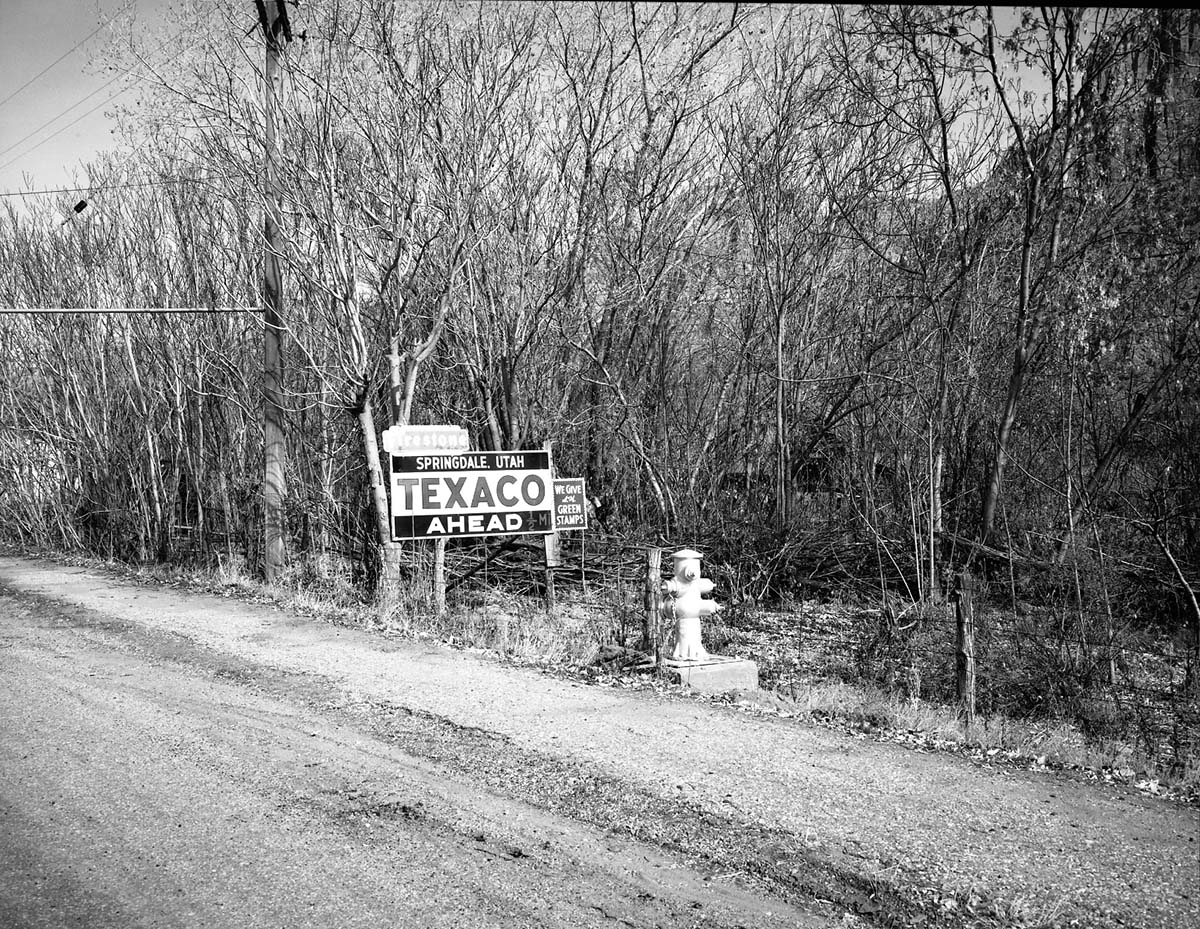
[71, 97]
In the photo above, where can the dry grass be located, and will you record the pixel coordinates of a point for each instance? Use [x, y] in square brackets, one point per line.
[1049, 742]
[513, 626]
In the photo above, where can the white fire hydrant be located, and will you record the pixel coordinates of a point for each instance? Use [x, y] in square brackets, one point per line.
[683, 601]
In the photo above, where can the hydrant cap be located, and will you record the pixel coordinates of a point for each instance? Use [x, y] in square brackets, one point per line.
[687, 553]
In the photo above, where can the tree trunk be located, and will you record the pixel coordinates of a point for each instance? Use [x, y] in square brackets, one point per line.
[1027, 331]
[782, 469]
[389, 553]
[964, 612]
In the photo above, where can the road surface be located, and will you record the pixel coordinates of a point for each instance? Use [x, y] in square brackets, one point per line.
[175, 759]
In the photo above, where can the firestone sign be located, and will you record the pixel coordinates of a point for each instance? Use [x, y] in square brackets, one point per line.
[471, 494]
[400, 440]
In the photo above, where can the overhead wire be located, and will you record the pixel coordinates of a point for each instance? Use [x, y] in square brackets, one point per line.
[77, 103]
[73, 48]
[120, 310]
[96, 188]
[56, 118]
[62, 129]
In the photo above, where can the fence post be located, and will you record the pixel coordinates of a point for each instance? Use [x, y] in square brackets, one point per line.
[964, 613]
[439, 577]
[553, 553]
[652, 598]
[552, 546]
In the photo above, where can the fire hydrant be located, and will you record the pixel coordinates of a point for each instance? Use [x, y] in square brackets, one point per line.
[683, 601]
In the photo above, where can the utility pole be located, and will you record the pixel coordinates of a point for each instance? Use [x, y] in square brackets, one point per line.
[272, 14]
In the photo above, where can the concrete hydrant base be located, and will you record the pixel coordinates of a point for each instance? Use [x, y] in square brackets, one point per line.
[714, 674]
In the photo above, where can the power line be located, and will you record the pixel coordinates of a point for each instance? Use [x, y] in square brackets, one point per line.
[64, 128]
[65, 54]
[96, 188]
[122, 310]
[63, 113]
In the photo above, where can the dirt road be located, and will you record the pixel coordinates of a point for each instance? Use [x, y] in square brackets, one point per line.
[172, 759]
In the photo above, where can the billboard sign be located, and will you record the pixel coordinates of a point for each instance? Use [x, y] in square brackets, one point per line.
[471, 494]
[570, 504]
